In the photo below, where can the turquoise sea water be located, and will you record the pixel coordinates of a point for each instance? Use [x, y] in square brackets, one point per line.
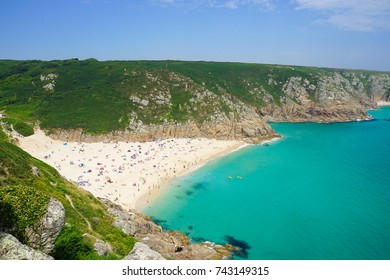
[321, 192]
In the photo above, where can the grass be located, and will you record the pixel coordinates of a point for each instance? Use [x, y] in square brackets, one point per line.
[19, 126]
[95, 95]
[22, 195]
[22, 206]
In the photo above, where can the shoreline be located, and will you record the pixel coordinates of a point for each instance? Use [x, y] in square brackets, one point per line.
[148, 199]
[130, 174]
[383, 103]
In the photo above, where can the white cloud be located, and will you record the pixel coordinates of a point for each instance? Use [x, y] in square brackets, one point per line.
[228, 4]
[355, 15]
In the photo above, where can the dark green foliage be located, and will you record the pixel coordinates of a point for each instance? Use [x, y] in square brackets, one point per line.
[19, 126]
[21, 207]
[23, 128]
[70, 245]
[8, 217]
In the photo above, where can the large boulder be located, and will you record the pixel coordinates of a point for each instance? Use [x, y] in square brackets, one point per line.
[12, 249]
[44, 234]
[142, 251]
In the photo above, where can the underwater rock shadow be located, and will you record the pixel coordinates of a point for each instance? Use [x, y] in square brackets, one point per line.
[189, 193]
[198, 239]
[241, 244]
[158, 221]
[199, 186]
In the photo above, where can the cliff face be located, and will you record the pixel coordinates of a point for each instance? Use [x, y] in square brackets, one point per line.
[253, 130]
[318, 97]
[141, 100]
[339, 97]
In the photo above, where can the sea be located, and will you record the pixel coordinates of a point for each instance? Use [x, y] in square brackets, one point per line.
[321, 192]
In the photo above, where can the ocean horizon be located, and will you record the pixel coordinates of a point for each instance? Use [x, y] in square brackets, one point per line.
[322, 192]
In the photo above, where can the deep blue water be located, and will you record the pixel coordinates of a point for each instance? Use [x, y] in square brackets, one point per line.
[321, 192]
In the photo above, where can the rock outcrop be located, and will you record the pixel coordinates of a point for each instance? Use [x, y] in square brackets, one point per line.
[142, 251]
[170, 244]
[102, 248]
[338, 97]
[12, 249]
[43, 235]
[250, 130]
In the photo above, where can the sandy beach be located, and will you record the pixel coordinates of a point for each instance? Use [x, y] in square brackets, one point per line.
[130, 174]
[383, 103]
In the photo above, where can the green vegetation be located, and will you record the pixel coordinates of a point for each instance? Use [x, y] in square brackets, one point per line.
[22, 206]
[19, 126]
[24, 193]
[71, 245]
[98, 97]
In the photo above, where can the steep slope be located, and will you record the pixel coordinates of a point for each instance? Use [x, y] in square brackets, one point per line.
[57, 219]
[86, 99]
[32, 195]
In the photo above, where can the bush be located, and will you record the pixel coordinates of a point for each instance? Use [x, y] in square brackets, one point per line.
[21, 207]
[23, 128]
[20, 126]
[70, 245]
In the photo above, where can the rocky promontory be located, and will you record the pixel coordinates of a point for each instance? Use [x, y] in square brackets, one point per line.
[170, 244]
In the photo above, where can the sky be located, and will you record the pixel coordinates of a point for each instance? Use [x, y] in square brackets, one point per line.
[325, 33]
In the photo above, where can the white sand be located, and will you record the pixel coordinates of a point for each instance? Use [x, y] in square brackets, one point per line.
[130, 174]
[383, 103]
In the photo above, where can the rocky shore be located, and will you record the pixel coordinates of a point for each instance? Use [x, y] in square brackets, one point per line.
[154, 242]
[170, 244]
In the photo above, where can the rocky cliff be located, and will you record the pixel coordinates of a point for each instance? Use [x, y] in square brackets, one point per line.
[171, 104]
[139, 100]
[344, 96]
[168, 244]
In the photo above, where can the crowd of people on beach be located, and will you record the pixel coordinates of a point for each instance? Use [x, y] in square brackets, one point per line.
[128, 173]
[125, 172]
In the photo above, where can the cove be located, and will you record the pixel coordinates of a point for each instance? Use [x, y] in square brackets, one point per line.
[322, 192]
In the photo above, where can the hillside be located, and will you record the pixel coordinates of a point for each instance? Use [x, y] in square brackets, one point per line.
[146, 99]
[44, 216]
[142, 100]
[27, 185]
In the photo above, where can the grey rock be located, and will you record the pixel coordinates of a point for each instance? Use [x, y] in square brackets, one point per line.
[44, 234]
[142, 251]
[102, 248]
[171, 244]
[144, 102]
[12, 249]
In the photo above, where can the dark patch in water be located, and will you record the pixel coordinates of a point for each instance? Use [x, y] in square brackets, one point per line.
[198, 239]
[178, 197]
[241, 244]
[190, 227]
[158, 221]
[189, 193]
[199, 186]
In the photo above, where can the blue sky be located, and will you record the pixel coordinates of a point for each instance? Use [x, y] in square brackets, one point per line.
[328, 33]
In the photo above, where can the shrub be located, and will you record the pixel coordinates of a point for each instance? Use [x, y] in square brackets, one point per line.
[21, 207]
[70, 245]
[20, 126]
[23, 129]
